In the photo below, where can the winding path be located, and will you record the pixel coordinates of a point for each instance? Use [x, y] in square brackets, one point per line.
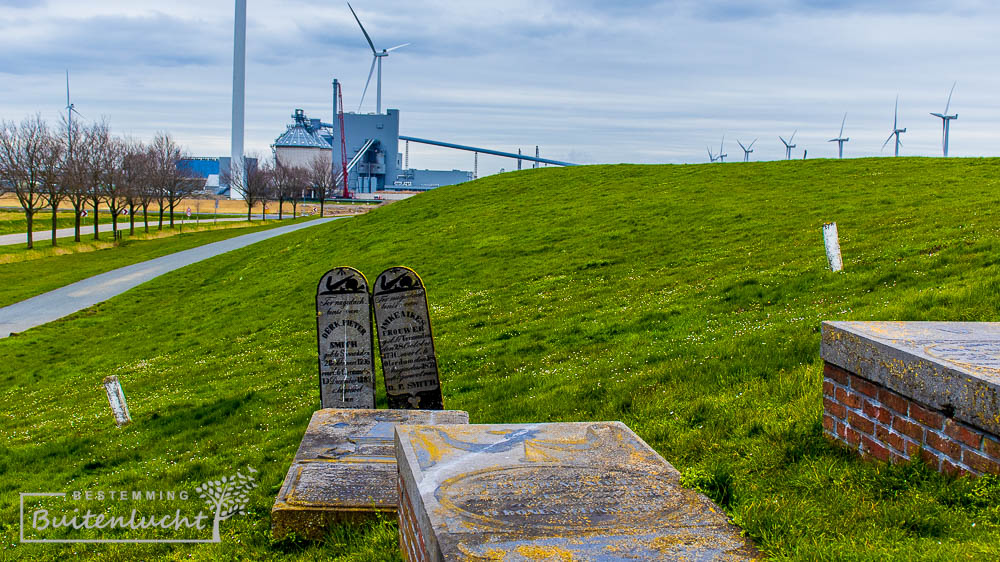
[99, 288]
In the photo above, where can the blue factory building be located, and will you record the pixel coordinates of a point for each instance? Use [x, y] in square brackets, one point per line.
[213, 170]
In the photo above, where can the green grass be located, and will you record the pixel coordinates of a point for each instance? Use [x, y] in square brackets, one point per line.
[13, 222]
[683, 300]
[27, 273]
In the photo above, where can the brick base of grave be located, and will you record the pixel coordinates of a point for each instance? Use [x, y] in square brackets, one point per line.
[882, 424]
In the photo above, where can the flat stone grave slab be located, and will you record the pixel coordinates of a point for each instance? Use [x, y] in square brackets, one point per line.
[345, 340]
[345, 469]
[551, 491]
[950, 366]
[895, 390]
[405, 341]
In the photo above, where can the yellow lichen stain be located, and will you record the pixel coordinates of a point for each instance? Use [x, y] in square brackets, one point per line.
[533, 552]
[669, 544]
[494, 554]
[431, 443]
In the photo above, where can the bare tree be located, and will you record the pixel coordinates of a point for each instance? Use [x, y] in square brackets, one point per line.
[253, 184]
[22, 149]
[135, 178]
[99, 153]
[321, 179]
[51, 177]
[74, 174]
[300, 183]
[148, 191]
[173, 182]
[114, 187]
[282, 181]
[290, 182]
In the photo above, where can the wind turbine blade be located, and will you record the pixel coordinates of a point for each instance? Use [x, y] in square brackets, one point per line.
[793, 135]
[370, 44]
[67, 88]
[949, 97]
[895, 115]
[369, 81]
[390, 49]
[741, 144]
[722, 144]
[753, 143]
[841, 135]
[782, 140]
[887, 141]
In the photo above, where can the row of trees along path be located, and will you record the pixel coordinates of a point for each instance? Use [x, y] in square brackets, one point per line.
[271, 179]
[86, 165]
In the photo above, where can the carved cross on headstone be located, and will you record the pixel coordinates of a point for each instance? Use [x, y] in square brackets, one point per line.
[406, 344]
[345, 340]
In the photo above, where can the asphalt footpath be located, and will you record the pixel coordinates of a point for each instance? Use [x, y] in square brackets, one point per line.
[64, 301]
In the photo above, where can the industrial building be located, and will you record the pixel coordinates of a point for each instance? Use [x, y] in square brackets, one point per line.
[372, 143]
[214, 170]
[365, 144]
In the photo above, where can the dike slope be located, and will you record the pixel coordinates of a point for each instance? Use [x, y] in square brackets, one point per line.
[682, 300]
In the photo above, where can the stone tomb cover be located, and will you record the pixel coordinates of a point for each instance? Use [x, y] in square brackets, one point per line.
[947, 365]
[345, 340]
[559, 491]
[345, 468]
[405, 341]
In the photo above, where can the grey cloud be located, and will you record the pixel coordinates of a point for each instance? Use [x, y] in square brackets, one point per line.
[111, 42]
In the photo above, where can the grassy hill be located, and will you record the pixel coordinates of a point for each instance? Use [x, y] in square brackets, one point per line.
[683, 300]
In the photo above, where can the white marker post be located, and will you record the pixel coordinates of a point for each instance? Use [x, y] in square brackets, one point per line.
[832, 242]
[116, 397]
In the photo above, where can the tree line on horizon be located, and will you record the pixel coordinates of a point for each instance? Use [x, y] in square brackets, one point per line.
[85, 165]
[270, 179]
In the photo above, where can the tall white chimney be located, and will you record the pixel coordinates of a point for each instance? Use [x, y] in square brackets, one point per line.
[239, 87]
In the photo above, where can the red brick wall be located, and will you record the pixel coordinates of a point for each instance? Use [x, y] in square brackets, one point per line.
[888, 426]
[411, 541]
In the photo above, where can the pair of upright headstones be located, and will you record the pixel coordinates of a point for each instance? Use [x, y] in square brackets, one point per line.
[591, 490]
[346, 340]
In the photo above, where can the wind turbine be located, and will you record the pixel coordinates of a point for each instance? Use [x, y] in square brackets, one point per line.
[746, 149]
[788, 144]
[945, 119]
[711, 156]
[377, 56]
[840, 140]
[722, 157]
[896, 131]
[70, 110]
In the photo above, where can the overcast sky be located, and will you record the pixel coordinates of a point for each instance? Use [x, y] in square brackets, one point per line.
[589, 81]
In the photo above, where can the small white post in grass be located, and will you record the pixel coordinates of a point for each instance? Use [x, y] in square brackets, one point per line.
[832, 242]
[116, 397]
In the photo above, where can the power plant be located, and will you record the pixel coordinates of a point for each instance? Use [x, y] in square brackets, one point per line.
[369, 142]
[362, 150]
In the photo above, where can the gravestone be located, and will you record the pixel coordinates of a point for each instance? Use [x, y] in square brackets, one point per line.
[345, 469]
[345, 340]
[405, 341]
[831, 240]
[116, 399]
[553, 491]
